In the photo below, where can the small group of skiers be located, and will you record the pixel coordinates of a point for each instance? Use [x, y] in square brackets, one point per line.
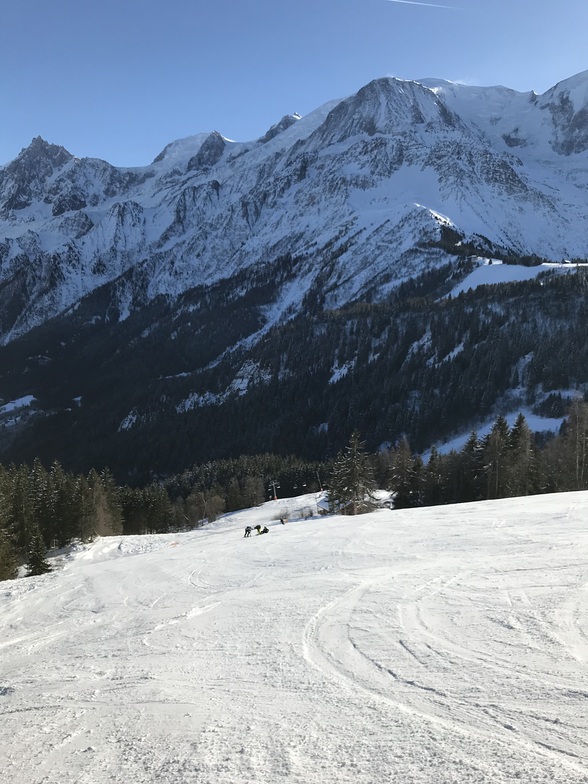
[258, 528]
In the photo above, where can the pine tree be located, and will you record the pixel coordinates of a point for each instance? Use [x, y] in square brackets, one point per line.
[132, 508]
[469, 470]
[404, 477]
[36, 560]
[433, 483]
[156, 513]
[21, 510]
[496, 459]
[523, 465]
[576, 436]
[8, 557]
[65, 520]
[39, 489]
[352, 484]
[107, 511]
[8, 551]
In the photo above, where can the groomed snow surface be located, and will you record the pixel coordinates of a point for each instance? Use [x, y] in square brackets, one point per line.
[438, 645]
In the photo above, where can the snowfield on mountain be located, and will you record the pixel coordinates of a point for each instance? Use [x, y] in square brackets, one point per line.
[360, 191]
[438, 645]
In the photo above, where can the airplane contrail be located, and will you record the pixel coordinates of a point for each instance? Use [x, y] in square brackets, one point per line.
[429, 5]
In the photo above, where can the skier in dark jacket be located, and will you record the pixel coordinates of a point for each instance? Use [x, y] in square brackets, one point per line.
[248, 530]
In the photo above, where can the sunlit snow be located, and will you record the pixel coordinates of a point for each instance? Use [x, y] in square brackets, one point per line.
[435, 645]
[492, 272]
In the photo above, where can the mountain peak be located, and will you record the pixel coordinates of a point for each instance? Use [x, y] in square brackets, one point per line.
[39, 148]
[210, 152]
[181, 150]
[567, 103]
[286, 121]
[384, 106]
[26, 176]
[576, 87]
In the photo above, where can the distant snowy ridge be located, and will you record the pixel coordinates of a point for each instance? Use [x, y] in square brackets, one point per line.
[360, 190]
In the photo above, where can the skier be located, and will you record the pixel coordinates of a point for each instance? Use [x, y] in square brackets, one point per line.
[264, 530]
[248, 530]
[257, 528]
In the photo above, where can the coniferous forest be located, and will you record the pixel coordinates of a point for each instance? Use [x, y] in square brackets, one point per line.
[47, 509]
[179, 383]
[173, 416]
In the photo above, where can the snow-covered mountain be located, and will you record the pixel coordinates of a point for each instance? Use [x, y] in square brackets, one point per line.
[434, 645]
[360, 190]
[271, 296]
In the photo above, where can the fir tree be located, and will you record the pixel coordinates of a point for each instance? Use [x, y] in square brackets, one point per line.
[496, 459]
[21, 510]
[469, 469]
[404, 477]
[432, 484]
[523, 464]
[576, 436]
[352, 483]
[37, 562]
[8, 557]
[8, 551]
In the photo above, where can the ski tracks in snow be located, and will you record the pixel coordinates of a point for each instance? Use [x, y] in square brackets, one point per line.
[431, 647]
[439, 681]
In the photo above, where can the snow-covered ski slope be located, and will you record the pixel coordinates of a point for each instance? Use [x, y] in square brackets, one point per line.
[436, 645]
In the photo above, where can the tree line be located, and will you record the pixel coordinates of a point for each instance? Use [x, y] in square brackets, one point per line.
[43, 510]
[507, 462]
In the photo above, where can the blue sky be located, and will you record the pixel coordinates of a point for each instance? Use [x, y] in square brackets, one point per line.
[120, 79]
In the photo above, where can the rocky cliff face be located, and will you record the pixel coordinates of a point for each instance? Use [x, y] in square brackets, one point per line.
[361, 190]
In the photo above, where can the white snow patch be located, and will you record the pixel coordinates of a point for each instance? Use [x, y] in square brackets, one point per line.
[15, 405]
[197, 400]
[250, 373]
[129, 421]
[340, 371]
[493, 271]
[537, 424]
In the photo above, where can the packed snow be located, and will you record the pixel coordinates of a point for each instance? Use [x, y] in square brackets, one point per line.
[438, 645]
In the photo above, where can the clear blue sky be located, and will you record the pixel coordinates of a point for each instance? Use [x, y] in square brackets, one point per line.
[119, 79]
